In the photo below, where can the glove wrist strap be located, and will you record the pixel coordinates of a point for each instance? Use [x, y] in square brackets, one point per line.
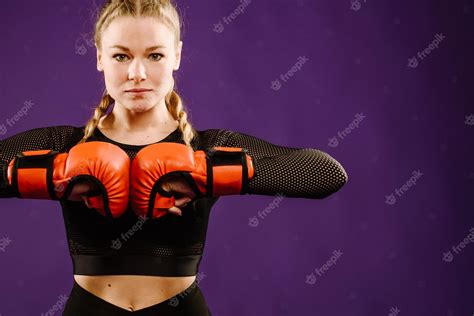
[34, 170]
[222, 177]
[3, 176]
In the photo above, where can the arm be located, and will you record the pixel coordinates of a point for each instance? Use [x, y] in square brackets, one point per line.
[55, 138]
[293, 172]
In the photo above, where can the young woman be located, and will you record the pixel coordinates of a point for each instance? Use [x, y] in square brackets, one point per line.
[151, 270]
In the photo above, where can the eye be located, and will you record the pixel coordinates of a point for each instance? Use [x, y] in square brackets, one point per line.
[157, 54]
[157, 57]
[118, 55]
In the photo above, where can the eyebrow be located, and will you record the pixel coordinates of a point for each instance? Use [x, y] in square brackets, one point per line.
[146, 50]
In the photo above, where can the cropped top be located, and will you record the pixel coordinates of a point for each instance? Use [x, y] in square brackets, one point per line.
[170, 245]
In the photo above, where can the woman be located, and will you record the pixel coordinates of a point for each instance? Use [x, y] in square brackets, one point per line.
[152, 270]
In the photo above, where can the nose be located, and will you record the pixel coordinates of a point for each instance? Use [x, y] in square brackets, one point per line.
[136, 71]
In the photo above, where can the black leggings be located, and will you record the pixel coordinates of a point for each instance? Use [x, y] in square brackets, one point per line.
[189, 302]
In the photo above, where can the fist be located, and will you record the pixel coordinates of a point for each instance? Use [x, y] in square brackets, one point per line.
[182, 192]
[81, 190]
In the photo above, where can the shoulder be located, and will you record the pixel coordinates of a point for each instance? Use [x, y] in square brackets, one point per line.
[57, 138]
[213, 137]
[65, 132]
[219, 132]
[209, 138]
[45, 131]
[61, 137]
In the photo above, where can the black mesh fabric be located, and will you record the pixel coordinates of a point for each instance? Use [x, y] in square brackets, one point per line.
[172, 245]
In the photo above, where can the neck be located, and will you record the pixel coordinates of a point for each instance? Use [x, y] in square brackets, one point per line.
[157, 118]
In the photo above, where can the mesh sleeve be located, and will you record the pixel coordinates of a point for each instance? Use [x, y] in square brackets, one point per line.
[292, 172]
[55, 138]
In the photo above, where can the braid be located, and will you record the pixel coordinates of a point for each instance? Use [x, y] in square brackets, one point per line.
[176, 108]
[99, 111]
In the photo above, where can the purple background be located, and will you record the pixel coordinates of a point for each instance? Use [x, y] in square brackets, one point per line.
[415, 119]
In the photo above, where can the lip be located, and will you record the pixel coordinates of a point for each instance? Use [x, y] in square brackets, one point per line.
[138, 90]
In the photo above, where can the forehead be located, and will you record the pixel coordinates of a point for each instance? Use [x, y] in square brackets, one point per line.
[137, 32]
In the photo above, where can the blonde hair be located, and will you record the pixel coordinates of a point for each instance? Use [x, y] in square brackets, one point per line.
[166, 12]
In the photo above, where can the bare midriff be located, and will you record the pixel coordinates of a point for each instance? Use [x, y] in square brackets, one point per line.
[134, 292]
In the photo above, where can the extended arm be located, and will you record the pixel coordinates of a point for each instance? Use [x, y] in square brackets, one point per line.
[54, 138]
[293, 172]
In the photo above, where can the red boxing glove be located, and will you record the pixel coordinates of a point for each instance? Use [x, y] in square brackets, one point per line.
[210, 173]
[47, 174]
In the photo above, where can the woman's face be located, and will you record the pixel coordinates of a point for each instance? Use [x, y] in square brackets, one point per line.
[142, 66]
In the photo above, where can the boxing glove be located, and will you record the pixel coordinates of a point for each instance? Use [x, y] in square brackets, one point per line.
[47, 174]
[209, 173]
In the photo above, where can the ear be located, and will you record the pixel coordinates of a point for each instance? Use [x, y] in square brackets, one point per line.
[178, 56]
[99, 64]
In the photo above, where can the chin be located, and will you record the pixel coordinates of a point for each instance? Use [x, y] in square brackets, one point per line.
[139, 107]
